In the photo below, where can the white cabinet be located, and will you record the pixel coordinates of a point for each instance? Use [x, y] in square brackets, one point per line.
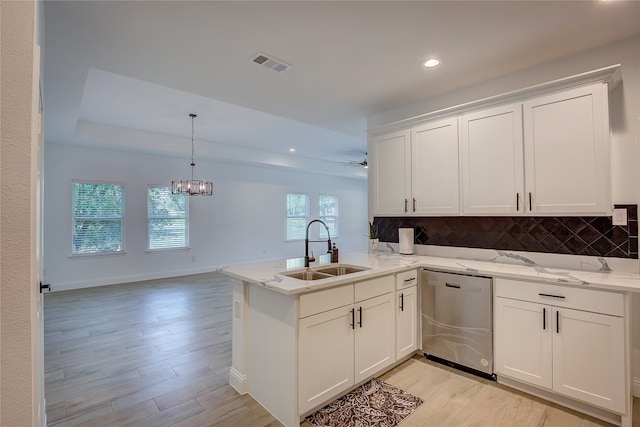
[391, 173]
[492, 167]
[374, 336]
[548, 155]
[523, 341]
[566, 140]
[435, 186]
[406, 300]
[567, 340]
[415, 172]
[588, 357]
[325, 361]
[347, 336]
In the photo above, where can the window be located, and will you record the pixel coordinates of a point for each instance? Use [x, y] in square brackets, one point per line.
[297, 216]
[329, 214]
[98, 218]
[167, 219]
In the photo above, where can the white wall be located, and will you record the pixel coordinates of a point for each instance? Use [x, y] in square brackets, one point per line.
[244, 220]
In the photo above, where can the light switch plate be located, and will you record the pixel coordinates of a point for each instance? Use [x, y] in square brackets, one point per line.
[619, 217]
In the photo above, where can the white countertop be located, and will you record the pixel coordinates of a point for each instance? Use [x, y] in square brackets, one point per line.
[266, 274]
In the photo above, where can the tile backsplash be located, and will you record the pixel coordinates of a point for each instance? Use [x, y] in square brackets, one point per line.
[593, 236]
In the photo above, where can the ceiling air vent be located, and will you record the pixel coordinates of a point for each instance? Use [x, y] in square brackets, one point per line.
[271, 63]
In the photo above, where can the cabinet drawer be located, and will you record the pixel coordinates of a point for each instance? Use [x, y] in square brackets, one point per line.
[561, 296]
[328, 299]
[406, 279]
[374, 287]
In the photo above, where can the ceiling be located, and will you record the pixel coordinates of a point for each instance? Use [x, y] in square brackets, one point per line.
[126, 74]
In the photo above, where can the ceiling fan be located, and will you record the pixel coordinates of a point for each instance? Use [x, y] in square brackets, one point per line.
[358, 164]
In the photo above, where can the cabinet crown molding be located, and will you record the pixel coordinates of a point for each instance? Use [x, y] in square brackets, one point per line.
[611, 75]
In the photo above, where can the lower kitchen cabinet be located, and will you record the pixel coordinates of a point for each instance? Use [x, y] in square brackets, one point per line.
[343, 346]
[325, 356]
[375, 336]
[406, 313]
[588, 357]
[522, 341]
[558, 341]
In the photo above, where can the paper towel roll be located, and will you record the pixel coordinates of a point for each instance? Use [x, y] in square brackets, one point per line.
[405, 237]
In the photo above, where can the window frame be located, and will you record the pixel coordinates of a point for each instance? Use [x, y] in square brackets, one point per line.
[287, 216]
[187, 218]
[336, 216]
[75, 218]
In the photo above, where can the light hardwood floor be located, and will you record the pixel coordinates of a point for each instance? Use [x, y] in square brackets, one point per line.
[158, 353]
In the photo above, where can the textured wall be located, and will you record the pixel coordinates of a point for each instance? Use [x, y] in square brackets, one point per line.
[16, 209]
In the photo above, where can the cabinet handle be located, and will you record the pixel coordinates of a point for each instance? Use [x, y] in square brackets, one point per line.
[517, 202]
[409, 280]
[401, 302]
[405, 204]
[552, 296]
[557, 321]
[353, 318]
[414, 204]
[360, 313]
[544, 318]
[530, 205]
[449, 285]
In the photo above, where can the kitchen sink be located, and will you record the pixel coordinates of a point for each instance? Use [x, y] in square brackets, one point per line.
[325, 272]
[339, 270]
[307, 275]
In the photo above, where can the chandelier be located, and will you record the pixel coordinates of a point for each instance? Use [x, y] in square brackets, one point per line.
[192, 187]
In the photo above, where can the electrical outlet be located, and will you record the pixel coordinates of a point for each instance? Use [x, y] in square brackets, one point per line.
[236, 308]
[619, 217]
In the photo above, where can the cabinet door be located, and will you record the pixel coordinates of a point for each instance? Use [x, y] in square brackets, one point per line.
[375, 335]
[566, 151]
[492, 163]
[406, 321]
[434, 168]
[588, 357]
[325, 357]
[391, 174]
[523, 340]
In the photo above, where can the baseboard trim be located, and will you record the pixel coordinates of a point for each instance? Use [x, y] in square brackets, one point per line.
[238, 381]
[115, 280]
[635, 387]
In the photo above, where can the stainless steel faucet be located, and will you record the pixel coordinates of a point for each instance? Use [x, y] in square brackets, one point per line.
[306, 242]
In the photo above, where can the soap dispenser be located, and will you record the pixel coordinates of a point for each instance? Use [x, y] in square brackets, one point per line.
[334, 253]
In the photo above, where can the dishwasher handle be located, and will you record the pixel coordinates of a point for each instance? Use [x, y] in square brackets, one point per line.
[452, 285]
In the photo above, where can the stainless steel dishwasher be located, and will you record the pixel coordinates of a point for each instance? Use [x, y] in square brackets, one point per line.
[457, 321]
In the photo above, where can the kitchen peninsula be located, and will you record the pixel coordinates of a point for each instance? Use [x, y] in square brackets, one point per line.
[298, 344]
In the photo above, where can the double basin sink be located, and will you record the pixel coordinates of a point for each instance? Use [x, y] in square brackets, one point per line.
[324, 272]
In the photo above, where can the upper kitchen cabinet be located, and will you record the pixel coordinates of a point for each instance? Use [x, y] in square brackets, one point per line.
[391, 173]
[492, 168]
[546, 156]
[434, 168]
[566, 151]
[542, 150]
[415, 171]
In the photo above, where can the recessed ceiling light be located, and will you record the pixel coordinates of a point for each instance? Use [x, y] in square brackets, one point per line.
[431, 63]
[292, 150]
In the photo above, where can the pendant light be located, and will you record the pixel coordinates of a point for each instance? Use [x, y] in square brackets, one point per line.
[192, 187]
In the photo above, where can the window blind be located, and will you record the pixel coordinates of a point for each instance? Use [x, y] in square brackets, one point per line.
[167, 219]
[98, 218]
